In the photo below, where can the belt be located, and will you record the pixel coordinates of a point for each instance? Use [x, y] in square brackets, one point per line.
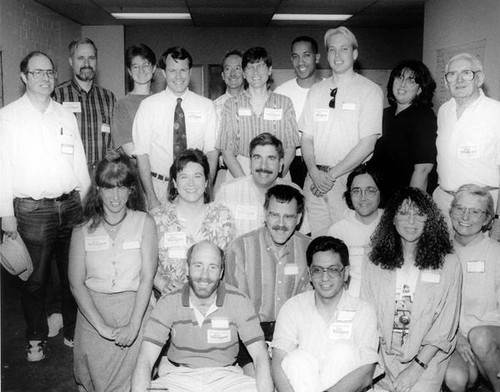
[324, 168]
[179, 365]
[161, 177]
[63, 197]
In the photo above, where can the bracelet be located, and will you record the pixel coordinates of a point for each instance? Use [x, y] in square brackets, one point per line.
[420, 363]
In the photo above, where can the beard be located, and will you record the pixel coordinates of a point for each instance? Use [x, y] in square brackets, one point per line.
[204, 292]
[86, 74]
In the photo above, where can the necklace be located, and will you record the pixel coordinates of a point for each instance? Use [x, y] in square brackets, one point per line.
[113, 225]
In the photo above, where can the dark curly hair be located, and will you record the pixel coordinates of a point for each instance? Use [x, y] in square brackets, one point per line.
[114, 170]
[359, 170]
[422, 77]
[433, 245]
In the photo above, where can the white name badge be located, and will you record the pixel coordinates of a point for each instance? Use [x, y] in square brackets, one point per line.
[468, 151]
[430, 277]
[177, 253]
[349, 106]
[176, 239]
[245, 212]
[131, 245]
[105, 128]
[346, 315]
[340, 331]
[216, 336]
[220, 323]
[68, 149]
[194, 117]
[321, 115]
[244, 112]
[273, 114]
[74, 107]
[291, 269]
[93, 244]
[475, 266]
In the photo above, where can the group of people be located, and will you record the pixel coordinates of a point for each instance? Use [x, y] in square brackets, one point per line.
[270, 239]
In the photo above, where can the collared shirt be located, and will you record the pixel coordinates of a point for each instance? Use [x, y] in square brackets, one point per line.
[240, 124]
[215, 342]
[218, 106]
[154, 126]
[267, 276]
[357, 114]
[41, 153]
[469, 147]
[94, 113]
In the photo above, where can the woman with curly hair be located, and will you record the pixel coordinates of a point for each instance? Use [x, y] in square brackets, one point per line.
[112, 262]
[413, 281]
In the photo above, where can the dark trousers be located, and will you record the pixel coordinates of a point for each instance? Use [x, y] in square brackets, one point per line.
[45, 226]
[298, 171]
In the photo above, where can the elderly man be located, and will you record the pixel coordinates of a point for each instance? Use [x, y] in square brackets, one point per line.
[170, 122]
[269, 264]
[202, 321]
[325, 340]
[305, 58]
[44, 176]
[92, 105]
[468, 140]
[340, 123]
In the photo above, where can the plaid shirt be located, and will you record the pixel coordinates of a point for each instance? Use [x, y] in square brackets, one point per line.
[94, 119]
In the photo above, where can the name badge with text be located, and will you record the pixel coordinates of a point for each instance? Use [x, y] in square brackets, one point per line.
[321, 115]
[475, 266]
[273, 114]
[174, 239]
[68, 149]
[217, 336]
[340, 330]
[74, 107]
[245, 212]
[470, 151]
[105, 128]
[94, 244]
[194, 117]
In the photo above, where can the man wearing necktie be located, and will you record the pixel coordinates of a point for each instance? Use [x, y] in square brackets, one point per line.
[170, 122]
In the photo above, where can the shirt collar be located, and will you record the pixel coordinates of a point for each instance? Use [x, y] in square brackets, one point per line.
[78, 88]
[172, 95]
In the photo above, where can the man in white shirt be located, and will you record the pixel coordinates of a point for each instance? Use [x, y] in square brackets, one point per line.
[305, 58]
[154, 128]
[44, 177]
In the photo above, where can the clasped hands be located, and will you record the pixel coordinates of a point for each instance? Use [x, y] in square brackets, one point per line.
[322, 182]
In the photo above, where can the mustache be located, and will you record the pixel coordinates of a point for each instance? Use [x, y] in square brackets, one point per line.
[82, 68]
[278, 227]
[264, 171]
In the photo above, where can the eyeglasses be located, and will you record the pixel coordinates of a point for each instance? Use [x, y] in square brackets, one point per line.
[474, 213]
[466, 75]
[145, 67]
[333, 94]
[40, 73]
[368, 192]
[410, 80]
[333, 271]
[257, 67]
[277, 217]
[406, 214]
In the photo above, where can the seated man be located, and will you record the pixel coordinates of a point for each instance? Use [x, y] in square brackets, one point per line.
[202, 321]
[325, 339]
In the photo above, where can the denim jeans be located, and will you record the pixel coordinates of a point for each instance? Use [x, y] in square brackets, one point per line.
[45, 226]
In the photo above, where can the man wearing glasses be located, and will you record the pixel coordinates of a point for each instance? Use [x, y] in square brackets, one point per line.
[268, 264]
[43, 179]
[340, 123]
[468, 140]
[325, 339]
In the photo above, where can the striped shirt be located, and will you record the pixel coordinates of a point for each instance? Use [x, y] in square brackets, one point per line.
[267, 276]
[213, 342]
[94, 116]
[239, 125]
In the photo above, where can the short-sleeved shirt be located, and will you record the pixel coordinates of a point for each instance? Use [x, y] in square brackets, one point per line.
[214, 343]
[123, 118]
[357, 114]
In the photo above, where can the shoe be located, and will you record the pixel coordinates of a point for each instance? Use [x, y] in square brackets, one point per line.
[55, 323]
[35, 351]
[69, 342]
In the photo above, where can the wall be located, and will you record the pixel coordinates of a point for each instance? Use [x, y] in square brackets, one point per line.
[26, 26]
[451, 23]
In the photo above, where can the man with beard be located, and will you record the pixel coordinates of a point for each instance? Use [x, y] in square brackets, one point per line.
[269, 264]
[202, 320]
[91, 104]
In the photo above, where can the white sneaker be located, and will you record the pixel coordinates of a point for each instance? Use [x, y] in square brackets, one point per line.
[69, 342]
[35, 351]
[55, 323]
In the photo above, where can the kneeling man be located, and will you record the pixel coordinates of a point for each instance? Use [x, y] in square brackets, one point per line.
[203, 320]
[325, 340]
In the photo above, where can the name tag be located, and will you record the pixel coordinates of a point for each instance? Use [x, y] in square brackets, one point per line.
[291, 269]
[216, 336]
[469, 151]
[220, 323]
[430, 277]
[175, 239]
[245, 212]
[346, 315]
[340, 331]
[273, 114]
[475, 266]
[93, 244]
[349, 106]
[68, 149]
[74, 107]
[321, 114]
[244, 112]
[131, 245]
[177, 253]
[194, 117]
[105, 128]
